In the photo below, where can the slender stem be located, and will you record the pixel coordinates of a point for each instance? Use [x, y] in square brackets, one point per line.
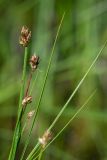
[33, 151]
[33, 156]
[17, 131]
[43, 87]
[32, 87]
[28, 85]
[40, 155]
[76, 89]
[73, 117]
[78, 86]
[23, 80]
[23, 129]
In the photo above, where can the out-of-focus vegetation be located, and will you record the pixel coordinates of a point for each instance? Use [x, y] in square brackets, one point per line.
[83, 32]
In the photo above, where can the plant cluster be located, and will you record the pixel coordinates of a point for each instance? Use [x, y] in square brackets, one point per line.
[26, 98]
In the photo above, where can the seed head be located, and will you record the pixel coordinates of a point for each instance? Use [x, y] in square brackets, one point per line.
[25, 36]
[30, 114]
[34, 61]
[45, 138]
[26, 100]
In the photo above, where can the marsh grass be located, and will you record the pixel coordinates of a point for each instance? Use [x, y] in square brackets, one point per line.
[18, 131]
[66, 104]
[43, 87]
[33, 153]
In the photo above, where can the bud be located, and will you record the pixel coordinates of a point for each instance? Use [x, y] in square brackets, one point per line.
[26, 100]
[25, 36]
[45, 138]
[30, 114]
[34, 61]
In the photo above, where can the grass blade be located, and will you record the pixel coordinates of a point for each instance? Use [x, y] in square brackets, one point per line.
[78, 86]
[18, 123]
[72, 95]
[74, 116]
[42, 90]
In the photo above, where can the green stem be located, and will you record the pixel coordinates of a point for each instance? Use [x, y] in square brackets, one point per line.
[32, 157]
[78, 86]
[32, 153]
[40, 155]
[17, 132]
[32, 87]
[43, 87]
[38, 150]
[73, 117]
[23, 129]
[74, 92]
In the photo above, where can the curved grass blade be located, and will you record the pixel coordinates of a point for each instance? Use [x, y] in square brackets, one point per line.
[74, 116]
[72, 95]
[78, 86]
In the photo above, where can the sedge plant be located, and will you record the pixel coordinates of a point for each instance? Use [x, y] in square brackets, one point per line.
[26, 98]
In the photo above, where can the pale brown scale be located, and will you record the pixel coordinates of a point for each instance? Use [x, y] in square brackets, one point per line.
[47, 136]
[34, 62]
[25, 37]
[26, 100]
[30, 114]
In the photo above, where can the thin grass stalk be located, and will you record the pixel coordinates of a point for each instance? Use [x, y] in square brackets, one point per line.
[32, 153]
[43, 87]
[33, 84]
[78, 111]
[35, 153]
[76, 89]
[18, 123]
[23, 129]
[28, 85]
[40, 155]
[78, 86]
[74, 116]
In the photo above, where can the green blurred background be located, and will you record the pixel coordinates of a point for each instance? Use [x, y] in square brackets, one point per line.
[83, 32]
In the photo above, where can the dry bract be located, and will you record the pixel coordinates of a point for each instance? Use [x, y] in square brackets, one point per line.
[34, 61]
[30, 114]
[45, 138]
[25, 36]
[26, 100]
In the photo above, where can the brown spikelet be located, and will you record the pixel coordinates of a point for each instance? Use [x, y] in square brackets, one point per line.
[25, 36]
[34, 62]
[30, 114]
[47, 136]
[26, 100]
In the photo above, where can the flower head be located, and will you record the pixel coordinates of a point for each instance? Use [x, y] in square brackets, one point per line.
[30, 114]
[26, 100]
[34, 61]
[25, 36]
[45, 138]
